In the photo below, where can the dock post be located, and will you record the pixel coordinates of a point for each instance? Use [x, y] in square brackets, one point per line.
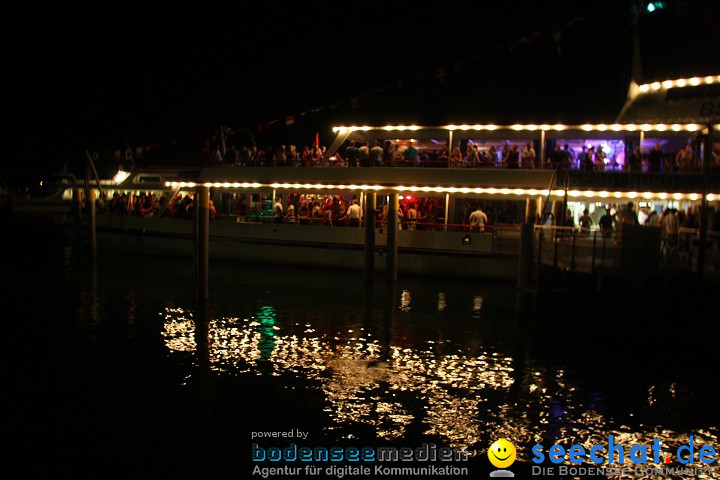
[392, 234]
[525, 270]
[530, 212]
[92, 225]
[77, 215]
[90, 208]
[525, 260]
[370, 211]
[202, 243]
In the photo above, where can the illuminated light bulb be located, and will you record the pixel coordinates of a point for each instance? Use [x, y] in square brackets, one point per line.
[603, 194]
[691, 127]
[464, 127]
[681, 82]
[662, 195]
[644, 88]
[677, 196]
[413, 127]
[558, 193]
[491, 127]
[588, 193]
[559, 127]
[401, 128]
[545, 127]
[451, 190]
[479, 190]
[661, 127]
[477, 127]
[694, 81]
[531, 127]
[544, 193]
[647, 195]
[587, 127]
[602, 127]
[573, 193]
[167, 184]
[615, 127]
[426, 189]
[709, 79]
[717, 78]
[710, 197]
[675, 127]
[631, 127]
[389, 128]
[645, 127]
[617, 194]
[451, 127]
[400, 197]
[518, 191]
[504, 191]
[492, 191]
[532, 192]
[694, 196]
[632, 194]
[335, 129]
[655, 85]
[517, 127]
[667, 83]
[413, 189]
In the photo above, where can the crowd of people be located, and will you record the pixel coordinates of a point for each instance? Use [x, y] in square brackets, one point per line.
[469, 155]
[413, 213]
[147, 204]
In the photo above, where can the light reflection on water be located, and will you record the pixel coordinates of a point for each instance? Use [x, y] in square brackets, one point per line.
[466, 399]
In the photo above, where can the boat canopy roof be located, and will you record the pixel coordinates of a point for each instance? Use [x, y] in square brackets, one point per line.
[683, 100]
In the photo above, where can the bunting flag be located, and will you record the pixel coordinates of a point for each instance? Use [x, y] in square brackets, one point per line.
[290, 120]
[556, 31]
[441, 74]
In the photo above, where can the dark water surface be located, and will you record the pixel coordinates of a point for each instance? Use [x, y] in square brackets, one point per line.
[112, 374]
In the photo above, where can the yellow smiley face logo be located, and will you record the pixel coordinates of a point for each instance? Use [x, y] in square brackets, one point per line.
[502, 453]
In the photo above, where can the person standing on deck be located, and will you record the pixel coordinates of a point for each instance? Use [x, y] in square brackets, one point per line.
[410, 155]
[351, 154]
[478, 219]
[376, 155]
[528, 156]
[278, 211]
[354, 214]
[411, 217]
[364, 155]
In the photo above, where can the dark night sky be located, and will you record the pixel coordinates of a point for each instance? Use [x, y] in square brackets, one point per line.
[93, 78]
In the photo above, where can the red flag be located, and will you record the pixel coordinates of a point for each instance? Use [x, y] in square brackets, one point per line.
[317, 139]
[290, 119]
